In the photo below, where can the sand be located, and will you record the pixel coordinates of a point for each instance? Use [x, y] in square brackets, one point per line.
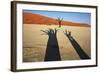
[35, 42]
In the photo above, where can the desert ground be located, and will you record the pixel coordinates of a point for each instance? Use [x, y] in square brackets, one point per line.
[35, 41]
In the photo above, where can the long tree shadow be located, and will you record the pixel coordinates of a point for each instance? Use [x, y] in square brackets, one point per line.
[76, 46]
[52, 49]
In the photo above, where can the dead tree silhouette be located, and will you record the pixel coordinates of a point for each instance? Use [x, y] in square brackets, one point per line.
[77, 47]
[52, 50]
[59, 21]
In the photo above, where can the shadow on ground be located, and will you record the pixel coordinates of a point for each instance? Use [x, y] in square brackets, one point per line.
[76, 46]
[52, 49]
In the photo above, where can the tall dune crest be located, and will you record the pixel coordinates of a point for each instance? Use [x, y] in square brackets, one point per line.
[30, 18]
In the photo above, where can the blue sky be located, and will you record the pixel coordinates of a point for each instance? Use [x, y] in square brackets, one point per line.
[67, 16]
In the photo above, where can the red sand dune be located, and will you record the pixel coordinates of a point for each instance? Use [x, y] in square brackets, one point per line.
[30, 18]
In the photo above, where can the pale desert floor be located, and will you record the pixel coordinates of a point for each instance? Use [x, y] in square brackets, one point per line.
[35, 42]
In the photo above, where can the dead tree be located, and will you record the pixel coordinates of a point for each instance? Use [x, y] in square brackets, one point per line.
[59, 21]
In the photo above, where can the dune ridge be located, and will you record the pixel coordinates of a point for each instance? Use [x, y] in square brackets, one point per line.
[30, 18]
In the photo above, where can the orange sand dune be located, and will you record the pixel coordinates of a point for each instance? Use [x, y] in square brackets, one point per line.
[30, 18]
